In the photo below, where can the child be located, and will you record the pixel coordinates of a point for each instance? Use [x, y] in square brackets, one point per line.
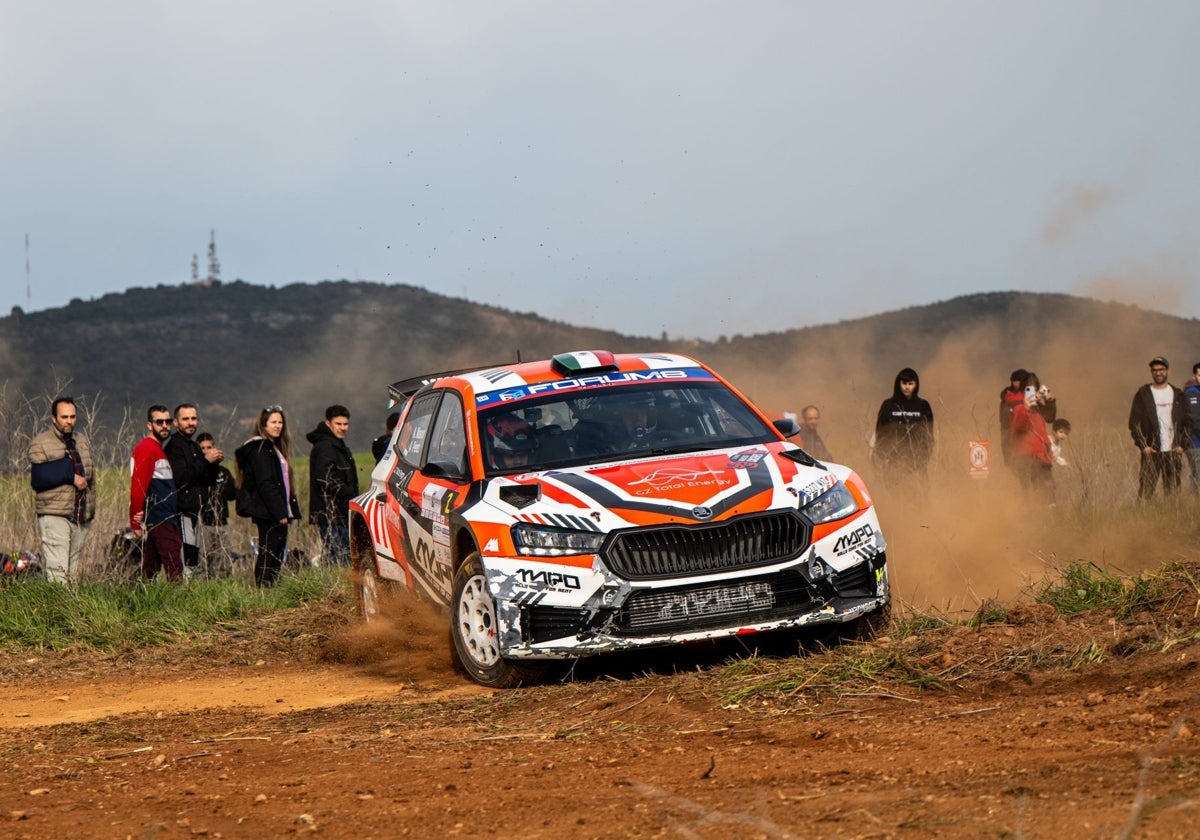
[1058, 436]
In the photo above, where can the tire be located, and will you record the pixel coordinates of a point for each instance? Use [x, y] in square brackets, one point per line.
[871, 625]
[368, 588]
[474, 633]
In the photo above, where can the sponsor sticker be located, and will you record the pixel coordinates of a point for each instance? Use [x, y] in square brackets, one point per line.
[855, 539]
[816, 488]
[747, 459]
[583, 382]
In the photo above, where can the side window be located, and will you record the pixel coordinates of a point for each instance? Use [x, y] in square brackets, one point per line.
[415, 430]
[449, 441]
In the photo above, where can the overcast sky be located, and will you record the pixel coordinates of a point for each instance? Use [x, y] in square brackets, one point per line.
[698, 168]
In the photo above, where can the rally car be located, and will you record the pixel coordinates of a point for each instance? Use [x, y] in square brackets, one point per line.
[596, 502]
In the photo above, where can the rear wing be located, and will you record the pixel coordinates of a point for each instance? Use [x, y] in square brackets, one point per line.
[399, 392]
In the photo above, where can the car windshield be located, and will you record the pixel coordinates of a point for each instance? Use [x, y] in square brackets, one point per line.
[616, 423]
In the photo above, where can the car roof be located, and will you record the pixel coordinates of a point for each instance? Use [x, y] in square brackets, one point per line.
[576, 369]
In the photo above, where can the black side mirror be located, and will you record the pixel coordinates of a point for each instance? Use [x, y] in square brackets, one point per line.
[787, 426]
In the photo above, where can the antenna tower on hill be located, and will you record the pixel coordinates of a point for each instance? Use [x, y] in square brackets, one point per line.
[214, 265]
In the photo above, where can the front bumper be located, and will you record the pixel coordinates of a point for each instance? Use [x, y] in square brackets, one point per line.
[547, 611]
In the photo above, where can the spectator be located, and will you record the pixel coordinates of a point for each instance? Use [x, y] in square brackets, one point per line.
[153, 513]
[903, 440]
[379, 445]
[265, 490]
[810, 441]
[216, 551]
[60, 470]
[193, 471]
[1191, 399]
[1059, 432]
[1158, 423]
[333, 482]
[1031, 454]
[1010, 398]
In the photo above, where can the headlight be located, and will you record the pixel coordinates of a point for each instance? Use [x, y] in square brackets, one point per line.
[540, 541]
[835, 503]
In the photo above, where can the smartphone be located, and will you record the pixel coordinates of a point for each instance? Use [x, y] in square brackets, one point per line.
[1030, 392]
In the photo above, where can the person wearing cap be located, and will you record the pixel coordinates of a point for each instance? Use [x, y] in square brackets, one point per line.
[1159, 425]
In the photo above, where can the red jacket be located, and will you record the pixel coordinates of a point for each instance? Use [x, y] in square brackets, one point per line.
[1029, 435]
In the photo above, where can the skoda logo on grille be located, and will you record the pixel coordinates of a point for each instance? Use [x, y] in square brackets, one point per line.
[702, 512]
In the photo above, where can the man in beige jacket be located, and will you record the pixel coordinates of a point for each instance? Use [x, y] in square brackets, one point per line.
[60, 463]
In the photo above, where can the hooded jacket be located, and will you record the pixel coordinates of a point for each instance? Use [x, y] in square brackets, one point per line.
[904, 426]
[332, 477]
[1030, 437]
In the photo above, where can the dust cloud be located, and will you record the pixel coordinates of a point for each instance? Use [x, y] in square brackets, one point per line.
[955, 542]
[407, 644]
[1074, 208]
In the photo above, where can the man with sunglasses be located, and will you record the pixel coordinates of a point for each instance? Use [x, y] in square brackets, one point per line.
[153, 507]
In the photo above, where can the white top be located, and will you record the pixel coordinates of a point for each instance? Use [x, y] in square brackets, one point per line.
[1164, 400]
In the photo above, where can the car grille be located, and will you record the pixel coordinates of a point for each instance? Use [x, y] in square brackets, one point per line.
[706, 606]
[541, 624]
[674, 550]
[855, 581]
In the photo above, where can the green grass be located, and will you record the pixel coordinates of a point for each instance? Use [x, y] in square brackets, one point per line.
[1085, 586]
[37, 615]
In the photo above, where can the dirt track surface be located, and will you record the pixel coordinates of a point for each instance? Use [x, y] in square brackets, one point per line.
[355, 735]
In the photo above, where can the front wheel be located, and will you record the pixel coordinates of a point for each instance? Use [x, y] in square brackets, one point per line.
[475, 632]
[368, 586]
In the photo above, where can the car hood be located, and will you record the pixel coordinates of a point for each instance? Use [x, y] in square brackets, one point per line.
[694, 487]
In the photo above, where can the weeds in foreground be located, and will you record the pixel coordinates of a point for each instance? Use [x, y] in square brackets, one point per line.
[1085, 586]
[914, 653]
[38, 615]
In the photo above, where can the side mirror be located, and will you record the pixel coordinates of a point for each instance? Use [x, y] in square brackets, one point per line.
[787, 427]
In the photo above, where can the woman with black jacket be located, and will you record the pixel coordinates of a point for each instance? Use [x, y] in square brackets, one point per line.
[265, 490]
[903, 441]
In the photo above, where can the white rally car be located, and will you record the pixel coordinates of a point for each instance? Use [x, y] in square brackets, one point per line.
[596, 502]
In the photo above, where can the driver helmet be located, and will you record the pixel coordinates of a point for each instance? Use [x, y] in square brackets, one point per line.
[635, 412]
[513, 440]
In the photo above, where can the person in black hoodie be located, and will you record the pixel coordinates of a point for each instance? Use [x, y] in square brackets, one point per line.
[903, 441]
[265, 490]
[333, 482]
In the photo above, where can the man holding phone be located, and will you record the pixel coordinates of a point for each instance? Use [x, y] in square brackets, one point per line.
[1159, 425]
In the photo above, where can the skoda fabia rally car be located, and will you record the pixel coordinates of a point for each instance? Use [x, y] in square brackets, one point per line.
[597, 502]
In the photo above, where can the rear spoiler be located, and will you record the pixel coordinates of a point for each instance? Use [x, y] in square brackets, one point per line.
[399, 392]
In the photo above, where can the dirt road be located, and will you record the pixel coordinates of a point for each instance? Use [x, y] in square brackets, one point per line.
[1036, 727]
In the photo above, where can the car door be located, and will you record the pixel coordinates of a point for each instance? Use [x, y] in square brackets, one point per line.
[431, 472]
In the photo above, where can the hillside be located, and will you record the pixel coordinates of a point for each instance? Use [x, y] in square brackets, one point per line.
[234, 347]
